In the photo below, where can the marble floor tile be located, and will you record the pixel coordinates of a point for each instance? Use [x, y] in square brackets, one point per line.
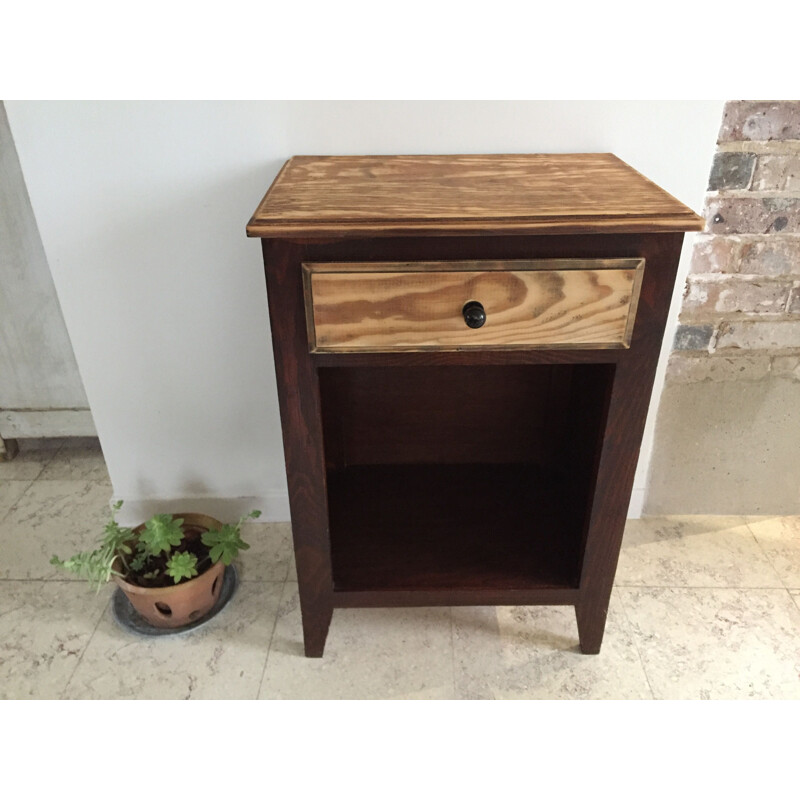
[371, 653]
[779, 538]
[79, 459]
[52, 517]
[532, 652]
[717, 643]
[270, 552]
[34, 455]
[796, 597]
[693, 551]
[10, 493]
[222, 660]
[44, 630]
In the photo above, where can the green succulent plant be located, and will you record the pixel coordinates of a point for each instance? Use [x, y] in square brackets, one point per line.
[225, 542]
[182, 565]
[97, 566]
[157, 552]
[161, 533]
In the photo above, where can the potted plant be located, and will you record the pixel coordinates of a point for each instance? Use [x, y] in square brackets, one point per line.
[170, 567]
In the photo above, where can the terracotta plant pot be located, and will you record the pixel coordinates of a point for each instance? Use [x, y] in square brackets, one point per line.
[183, 603]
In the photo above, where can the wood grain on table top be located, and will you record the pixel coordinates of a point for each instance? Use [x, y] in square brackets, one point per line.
[318, 196]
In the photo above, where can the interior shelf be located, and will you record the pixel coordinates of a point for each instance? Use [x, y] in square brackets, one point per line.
[475, 526]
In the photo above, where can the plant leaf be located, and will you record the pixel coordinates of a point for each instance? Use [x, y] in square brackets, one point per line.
[182, 565]
[161, 533]
[224, 543]
[96, 566]
[138, 561]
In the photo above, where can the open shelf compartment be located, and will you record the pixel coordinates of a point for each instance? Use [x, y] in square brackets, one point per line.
[461, 478]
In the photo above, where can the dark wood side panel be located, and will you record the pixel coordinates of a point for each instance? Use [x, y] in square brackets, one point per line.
[627, 414]
[298, 396]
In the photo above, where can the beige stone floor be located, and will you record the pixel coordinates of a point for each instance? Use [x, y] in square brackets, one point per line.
[703, 607]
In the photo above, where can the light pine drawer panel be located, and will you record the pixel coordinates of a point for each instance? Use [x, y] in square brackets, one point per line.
[377, 307]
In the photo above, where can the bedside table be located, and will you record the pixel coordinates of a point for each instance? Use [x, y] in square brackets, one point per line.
[465, 349]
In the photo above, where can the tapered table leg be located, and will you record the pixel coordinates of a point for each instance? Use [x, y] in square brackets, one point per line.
[298, 397]
[591, 626]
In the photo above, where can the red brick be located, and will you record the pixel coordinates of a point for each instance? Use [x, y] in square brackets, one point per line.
[778, 255]
[725, 294]
[731, 171]
[758, 121]
[793, 306]
[753, 215]
[692, 337]
[777, 172]
[779, 336]
[714, 254]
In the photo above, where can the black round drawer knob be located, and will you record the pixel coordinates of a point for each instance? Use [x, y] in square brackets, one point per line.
[474, 314]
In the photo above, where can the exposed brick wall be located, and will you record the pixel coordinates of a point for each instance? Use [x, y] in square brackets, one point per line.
[740, 318]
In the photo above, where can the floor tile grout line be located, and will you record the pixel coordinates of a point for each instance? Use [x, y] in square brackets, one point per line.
[636, 645]
[766, 555]
[13, 506]
[83, 652]
[50, 460]
[35, 478]
[271, 637]
[65, 445]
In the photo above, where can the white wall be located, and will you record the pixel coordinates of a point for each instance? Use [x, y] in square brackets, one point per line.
[142, 209]
[38, 372]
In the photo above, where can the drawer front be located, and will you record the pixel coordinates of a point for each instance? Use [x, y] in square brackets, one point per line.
[375, 307]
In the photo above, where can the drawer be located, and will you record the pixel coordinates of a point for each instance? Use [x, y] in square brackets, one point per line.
[374, 307]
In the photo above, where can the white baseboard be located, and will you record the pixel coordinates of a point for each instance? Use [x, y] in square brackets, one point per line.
[637, 502]
[274, 507]
[46, 423]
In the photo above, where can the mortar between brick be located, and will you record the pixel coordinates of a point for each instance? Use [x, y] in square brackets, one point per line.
[748, 237]
[752, 194]
[776, 147]
[739, 277]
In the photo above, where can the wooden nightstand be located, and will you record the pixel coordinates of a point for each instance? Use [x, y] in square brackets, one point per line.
[465, 348]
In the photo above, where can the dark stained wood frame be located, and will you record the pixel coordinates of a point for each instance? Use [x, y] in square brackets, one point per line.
[615, 458]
